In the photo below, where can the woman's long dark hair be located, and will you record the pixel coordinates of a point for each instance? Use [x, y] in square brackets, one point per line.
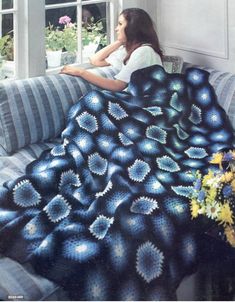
[139, 30]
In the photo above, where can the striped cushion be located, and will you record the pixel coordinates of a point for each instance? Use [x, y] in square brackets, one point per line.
[224, 85]
[34, 110]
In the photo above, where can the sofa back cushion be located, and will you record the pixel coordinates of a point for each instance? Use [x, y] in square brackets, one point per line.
[34, 110]
[224, 85]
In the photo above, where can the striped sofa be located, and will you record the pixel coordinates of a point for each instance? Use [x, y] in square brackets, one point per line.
[32, 115]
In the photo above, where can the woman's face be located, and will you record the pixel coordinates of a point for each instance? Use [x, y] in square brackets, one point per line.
[122, 23]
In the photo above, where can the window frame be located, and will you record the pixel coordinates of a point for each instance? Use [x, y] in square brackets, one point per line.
[113, 10]
[30, 39]
[29, 33]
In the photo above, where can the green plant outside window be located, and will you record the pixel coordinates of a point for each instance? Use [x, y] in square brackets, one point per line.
[66, 39]
[7, 47]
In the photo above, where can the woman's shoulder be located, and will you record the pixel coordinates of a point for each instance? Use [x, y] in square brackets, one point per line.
[147, 54]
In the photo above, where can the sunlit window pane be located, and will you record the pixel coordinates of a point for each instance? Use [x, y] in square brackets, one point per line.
[61, 36]
[63, 31]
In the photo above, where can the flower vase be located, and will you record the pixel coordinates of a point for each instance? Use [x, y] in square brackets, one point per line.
[7, 69]
[53, 58]
[68, 57]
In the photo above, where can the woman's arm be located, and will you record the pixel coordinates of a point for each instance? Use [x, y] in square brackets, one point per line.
[98, 59]
[104, 83]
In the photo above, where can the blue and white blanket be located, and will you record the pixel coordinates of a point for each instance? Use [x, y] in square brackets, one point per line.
[106, 214]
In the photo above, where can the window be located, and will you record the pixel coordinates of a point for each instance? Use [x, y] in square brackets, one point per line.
[26, 21]
[7, 12]
[83, 26]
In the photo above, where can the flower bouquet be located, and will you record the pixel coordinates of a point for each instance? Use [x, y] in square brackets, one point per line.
[69, 34]
[213, 194]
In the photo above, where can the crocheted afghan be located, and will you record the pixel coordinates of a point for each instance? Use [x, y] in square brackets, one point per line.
[106, 213]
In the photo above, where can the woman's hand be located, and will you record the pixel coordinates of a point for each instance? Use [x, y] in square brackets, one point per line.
[71, 70]
[104, 83]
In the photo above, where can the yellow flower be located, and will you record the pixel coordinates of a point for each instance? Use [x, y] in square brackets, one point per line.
[207, 178]
[217, 159]
[202, 210]
[230, 235]
[226, 177]
[217, 187]
[225, 215]
[194, 207]
[212, 193]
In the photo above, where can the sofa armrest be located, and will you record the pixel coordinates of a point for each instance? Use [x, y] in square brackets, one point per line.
[34, 110]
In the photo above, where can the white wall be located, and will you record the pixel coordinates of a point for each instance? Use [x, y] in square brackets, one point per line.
[200, 31]
[149, 5]
[135, 3]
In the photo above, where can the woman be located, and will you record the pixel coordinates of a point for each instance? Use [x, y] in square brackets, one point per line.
[106, 213]
[136, 47]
